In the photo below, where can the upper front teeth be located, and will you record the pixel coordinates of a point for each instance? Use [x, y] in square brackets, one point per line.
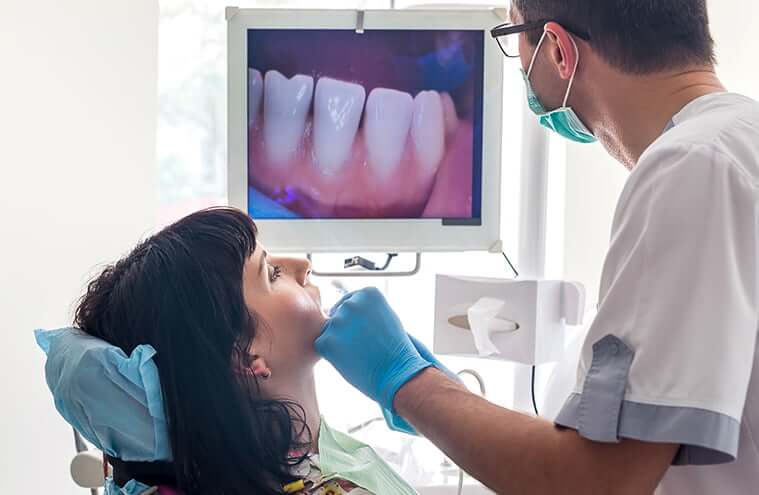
[386, 126]
[286, 106]
[337, 113]
[428, 130]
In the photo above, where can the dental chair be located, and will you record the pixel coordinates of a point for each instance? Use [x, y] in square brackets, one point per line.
[89, 469]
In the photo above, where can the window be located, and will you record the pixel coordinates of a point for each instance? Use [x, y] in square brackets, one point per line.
[192, 100]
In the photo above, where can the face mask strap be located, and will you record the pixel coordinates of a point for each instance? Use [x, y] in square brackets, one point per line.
[535, 55]
[574, 71]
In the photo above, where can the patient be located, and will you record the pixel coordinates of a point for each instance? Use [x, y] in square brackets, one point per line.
[233, 327]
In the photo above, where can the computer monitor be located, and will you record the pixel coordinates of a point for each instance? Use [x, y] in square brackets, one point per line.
[366, 131]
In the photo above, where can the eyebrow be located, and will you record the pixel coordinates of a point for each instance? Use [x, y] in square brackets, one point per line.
[263, 259]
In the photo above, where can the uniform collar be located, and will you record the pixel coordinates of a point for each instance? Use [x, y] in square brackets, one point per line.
[702, 103]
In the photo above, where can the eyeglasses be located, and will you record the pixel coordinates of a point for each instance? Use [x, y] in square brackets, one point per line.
[507, 35]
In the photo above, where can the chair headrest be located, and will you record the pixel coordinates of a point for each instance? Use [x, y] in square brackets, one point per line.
[112, 399]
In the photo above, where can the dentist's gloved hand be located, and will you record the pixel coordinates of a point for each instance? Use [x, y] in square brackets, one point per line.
[365, 341]
[393, 420]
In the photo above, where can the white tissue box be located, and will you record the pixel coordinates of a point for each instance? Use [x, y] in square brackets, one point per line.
[511, 320]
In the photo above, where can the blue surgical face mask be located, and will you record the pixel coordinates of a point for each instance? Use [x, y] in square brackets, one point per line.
[564, 121]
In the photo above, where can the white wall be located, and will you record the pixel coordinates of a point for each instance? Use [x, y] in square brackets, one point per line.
[594, 180]
[593, 184]
[77, 145]
[734, 24]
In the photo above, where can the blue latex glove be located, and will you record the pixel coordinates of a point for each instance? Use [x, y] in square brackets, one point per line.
[427, 355]
[367, 344]
[365, 341]
[396, 422]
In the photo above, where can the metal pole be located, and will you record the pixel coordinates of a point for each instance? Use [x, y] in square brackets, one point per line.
[79, 444]
[532, 230]
[533, 199]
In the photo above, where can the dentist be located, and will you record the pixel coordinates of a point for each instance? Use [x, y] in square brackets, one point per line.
[667, 392]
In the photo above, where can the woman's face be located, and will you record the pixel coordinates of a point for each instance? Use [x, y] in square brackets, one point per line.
[287, 309]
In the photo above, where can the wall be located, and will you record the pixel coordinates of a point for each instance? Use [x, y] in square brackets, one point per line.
[594, 180]
[593, 184]
[77, 155]
[733, 22]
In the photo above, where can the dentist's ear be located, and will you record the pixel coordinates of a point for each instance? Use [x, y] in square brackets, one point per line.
[562, 49]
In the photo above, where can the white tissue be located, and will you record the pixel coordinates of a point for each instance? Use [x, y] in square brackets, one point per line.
[483, 320]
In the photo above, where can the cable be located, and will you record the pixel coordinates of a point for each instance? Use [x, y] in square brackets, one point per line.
[478, 377]
[367, 264]
[516, 273]
[355, 429]
[532, 375]
[389, 260]
[483, 392]
[532, 391]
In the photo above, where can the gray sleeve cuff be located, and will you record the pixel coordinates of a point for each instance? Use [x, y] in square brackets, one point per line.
[705, 437]
[601, 414]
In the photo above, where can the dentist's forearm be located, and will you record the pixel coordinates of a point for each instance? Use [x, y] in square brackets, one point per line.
[513, 453]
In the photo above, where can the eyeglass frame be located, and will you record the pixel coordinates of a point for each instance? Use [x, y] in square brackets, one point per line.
[507, 29]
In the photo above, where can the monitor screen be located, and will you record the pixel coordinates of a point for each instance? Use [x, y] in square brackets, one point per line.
[381, 125]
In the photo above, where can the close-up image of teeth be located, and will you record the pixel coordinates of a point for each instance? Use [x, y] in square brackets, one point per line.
[359, 126]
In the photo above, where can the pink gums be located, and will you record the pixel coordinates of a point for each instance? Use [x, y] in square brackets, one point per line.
[357, 191]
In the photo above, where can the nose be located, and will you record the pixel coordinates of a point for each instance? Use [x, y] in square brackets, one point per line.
[298, 268]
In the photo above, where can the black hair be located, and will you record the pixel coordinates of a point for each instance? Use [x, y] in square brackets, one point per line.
[634, 36]
[180, 291]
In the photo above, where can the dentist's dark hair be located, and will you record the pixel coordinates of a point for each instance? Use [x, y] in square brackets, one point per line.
[634, 36]
[181, 292]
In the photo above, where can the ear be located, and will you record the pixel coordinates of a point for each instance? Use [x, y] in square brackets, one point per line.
[562, 49]
[259, 367]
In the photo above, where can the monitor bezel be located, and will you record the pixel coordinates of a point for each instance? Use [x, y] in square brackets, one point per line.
[368, 235]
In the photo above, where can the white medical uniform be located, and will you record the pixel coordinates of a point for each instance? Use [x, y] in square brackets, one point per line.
[672, 354]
